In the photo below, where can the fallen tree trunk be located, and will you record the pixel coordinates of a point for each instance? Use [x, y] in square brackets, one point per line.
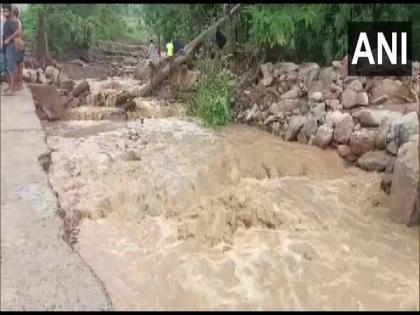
[165, 66]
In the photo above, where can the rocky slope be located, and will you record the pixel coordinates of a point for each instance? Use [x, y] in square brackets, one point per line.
[367, 120]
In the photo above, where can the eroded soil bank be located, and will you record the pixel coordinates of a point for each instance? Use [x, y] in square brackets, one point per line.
[173, 216]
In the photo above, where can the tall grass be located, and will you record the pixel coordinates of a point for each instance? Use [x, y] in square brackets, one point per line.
[212, 100]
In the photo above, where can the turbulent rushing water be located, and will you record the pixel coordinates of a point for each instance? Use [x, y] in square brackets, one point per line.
[178, 217]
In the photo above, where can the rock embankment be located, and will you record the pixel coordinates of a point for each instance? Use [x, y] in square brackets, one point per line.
[371, 122]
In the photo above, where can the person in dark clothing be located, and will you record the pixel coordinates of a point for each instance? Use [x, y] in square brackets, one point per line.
[220, 39]
[9, 28]
[19, 48]
[2, 57]
[178, 46]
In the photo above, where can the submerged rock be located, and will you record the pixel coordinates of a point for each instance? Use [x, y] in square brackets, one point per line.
[295, 125]
[343, 128]
[375, 161]
[323, 136]
[362, 141]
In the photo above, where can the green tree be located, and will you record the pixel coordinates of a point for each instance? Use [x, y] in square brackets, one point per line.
[82, 25]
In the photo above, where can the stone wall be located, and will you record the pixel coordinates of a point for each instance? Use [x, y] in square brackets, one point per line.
[370, 121]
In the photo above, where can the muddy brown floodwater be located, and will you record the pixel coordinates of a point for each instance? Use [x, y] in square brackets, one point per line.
[179, 217]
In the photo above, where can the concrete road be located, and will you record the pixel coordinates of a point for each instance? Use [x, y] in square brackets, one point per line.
[39, 271]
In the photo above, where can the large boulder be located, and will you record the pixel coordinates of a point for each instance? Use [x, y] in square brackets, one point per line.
[310, 126]
[295, 125]
[308, 73]
[266, 81]
[266, 69]
[316, 97]
[343, 150]
[332, 117]
[319, 113]
[392, 147]
[383, 130]
[83, 88]
[294, 93]
[292, 77]
[286, 105]
[30, 75]
[354, 96]
[404, 127]
[350, 98]
[343, 128]
[334, 104]
[285, 67]
[316, 86]
[389, 87]
[404, 182]
[323, 136]
[52, 74]
[375, 161]
[362, 141]
[41, 78]
[372, 117]
[327, 76]
[356, 86]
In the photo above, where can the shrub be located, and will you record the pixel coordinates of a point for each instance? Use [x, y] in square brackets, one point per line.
[213, 95]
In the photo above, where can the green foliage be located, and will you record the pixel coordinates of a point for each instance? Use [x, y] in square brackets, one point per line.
[82, 25]
[308, 32]
[214, 94]
[214, 101]
[303, 32]
[273, 25]
[318, 32]
[183, 21]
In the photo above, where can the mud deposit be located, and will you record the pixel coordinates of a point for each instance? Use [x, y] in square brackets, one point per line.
[179, 217]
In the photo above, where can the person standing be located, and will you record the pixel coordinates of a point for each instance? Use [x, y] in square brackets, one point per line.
[9, 29]
[19, 47]
[169, 49]
[178, 47]
[2, 57]
[151, 52]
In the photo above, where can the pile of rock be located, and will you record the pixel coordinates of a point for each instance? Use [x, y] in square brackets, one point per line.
[367, 120]
[51, 75]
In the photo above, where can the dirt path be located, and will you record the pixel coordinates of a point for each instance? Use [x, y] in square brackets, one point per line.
[38, 270]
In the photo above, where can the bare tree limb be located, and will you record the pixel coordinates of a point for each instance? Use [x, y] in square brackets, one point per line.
[168, 63]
